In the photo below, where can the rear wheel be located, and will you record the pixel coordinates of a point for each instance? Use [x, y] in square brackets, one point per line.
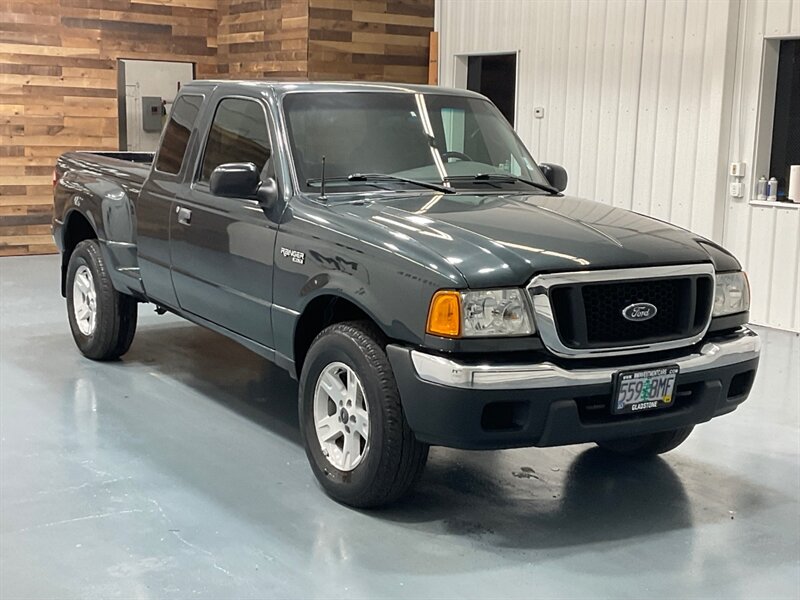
[648, 445]
[357, 440]
[102, 320]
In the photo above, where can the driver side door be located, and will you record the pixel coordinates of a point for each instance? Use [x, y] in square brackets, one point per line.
[222, 248]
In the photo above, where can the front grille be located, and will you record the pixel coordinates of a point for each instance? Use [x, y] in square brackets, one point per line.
[590, 315]
[604, 303]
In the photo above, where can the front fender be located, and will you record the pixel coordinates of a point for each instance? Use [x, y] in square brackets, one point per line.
[357, 291]
[357, 261]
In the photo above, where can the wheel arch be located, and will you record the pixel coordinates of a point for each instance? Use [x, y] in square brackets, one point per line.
[78, 227]
[320, 312]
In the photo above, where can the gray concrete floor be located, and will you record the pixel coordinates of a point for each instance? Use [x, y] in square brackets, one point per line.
[178, 473]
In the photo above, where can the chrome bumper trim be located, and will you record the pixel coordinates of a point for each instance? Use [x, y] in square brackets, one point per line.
[485, 376]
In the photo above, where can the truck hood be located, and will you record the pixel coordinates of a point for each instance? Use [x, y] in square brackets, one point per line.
[505, 239]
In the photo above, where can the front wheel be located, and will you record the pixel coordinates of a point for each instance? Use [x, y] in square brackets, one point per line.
[102, 320]
[357, 440]
[648, 445]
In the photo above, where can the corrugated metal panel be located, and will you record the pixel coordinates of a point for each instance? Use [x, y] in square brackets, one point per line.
[638, 99]
[574, 60]
[621, 82]
[679, 150]
[766, 239]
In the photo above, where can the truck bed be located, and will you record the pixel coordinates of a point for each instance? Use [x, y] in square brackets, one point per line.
[129, 168]
[134, 157]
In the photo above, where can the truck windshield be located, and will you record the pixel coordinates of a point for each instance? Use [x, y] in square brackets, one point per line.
[437, 138]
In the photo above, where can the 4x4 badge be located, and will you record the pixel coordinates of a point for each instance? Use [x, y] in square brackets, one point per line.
[641, 311]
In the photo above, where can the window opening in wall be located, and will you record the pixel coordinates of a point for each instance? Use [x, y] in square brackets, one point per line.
[146, 90]
[495, 76]
[785, 150]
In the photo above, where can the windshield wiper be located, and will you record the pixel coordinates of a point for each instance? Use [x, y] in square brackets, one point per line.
[379, 177]
[502, 177]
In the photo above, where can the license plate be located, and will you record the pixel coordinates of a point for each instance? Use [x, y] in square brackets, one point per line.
[644, 390]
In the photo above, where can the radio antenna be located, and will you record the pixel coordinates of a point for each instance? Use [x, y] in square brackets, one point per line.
[322, 195]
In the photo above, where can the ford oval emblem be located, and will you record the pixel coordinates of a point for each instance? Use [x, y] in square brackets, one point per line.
[641, 311]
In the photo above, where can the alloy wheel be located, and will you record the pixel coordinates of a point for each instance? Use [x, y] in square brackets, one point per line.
[84, 300]
[341, 416]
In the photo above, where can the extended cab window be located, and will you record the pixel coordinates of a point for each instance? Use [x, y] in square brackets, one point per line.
[238, 134]
[176, 137]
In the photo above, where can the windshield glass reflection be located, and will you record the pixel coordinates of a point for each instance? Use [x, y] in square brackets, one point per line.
[435, 138]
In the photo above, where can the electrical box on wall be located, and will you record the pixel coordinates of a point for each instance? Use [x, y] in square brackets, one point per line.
[152, 108]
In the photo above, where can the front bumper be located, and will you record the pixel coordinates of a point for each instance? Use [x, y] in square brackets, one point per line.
[489, 405]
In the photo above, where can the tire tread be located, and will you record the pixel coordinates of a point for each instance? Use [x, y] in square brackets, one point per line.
[117, 317]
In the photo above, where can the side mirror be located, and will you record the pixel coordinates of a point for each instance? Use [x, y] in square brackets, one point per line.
[555, 174]
[235, 180]
[267, 193]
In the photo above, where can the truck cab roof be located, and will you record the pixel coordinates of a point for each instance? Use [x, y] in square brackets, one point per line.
[281, 88]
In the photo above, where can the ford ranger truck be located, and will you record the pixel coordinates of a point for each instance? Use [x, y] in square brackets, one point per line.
[398, 250]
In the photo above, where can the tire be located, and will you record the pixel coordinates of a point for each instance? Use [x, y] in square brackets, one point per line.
[648, 445]
[107, 334]
[390, 459]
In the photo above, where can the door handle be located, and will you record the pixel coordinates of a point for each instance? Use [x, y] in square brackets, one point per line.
[184, 215]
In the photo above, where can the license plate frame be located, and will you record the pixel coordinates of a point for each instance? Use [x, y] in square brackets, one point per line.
[626, 389]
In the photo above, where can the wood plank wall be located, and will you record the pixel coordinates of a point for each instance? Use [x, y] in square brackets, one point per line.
[325, 39]
[58, 71]
[58, 89]
[384, 40]
[263, 38]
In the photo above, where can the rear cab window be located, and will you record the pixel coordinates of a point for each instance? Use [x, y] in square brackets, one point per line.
[172, 152]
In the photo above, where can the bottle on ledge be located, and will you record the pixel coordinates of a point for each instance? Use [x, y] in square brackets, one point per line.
[772, 190]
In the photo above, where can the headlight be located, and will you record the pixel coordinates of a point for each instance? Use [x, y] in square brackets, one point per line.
[731, 294]
[479, 313]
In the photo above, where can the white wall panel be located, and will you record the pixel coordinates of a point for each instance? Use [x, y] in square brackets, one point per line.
[646, 103]
[620, 81]
[765, 239]
[621, 160]
[649, 110]
[575, 59]
[680, 208]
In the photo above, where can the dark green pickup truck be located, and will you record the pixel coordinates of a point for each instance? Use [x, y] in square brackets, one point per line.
[398, 250]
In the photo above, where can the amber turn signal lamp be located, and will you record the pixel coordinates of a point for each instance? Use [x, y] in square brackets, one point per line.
[444, 316]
